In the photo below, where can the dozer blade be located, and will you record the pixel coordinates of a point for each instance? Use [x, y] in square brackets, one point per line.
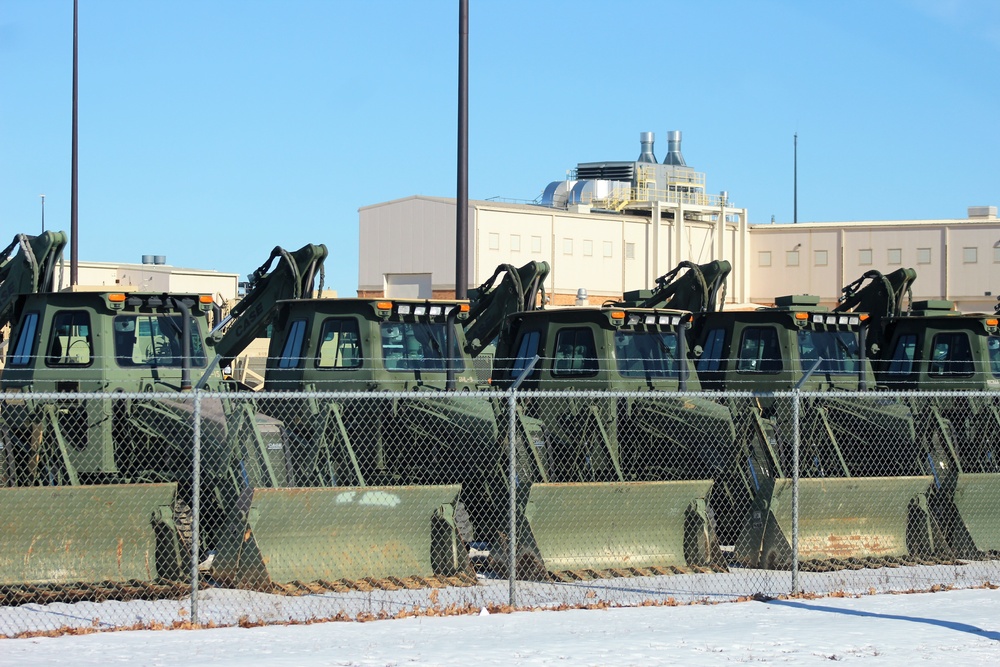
[77, 534]
[977, 497]
[353, 533]
[842, 518]
[616, 525]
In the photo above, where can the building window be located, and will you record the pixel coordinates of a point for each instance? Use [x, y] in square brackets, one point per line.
[970, 255]
[588, 248]
[536, 244]
[792, 258]
[923, 255]
[895, 256]
[608, 248]
[629, 251]
[515, 243]
[567, 246]
[764, 258]
[996, 255]
[494, 241]
[820, 258]
[865, 257]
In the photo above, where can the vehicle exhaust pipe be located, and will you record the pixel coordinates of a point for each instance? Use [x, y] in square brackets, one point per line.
[185, 344]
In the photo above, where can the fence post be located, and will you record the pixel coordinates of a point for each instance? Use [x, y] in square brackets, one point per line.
[512, 484]
[195, 505]
[795, 491]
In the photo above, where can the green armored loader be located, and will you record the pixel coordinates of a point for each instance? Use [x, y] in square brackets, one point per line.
[100, 490]
[863, 476]
[930, 347]
[627, 485]
[393, 467]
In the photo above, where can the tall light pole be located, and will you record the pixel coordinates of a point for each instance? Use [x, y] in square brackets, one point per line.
[795, 181]
[74, 247]
[43, 212]
[462, 196]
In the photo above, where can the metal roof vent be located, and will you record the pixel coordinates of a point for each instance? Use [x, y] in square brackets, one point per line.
[646, 141]
[674, 156]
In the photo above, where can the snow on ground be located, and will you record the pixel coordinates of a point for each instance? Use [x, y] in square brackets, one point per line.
[959, 626]
[226, 607]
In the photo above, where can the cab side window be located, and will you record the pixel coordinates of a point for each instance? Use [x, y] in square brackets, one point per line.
[711, 358]
[575, 354]
[291, 353]
[24, 348]
[760, 351]
[951, 355]
[70, 342]
[902, 356]
[526, 350]
[339, 344]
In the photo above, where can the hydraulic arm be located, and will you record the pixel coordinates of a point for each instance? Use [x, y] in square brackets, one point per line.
[291, 278]
[697, 290]
[881, 297]
[29, 271]
[498, 297]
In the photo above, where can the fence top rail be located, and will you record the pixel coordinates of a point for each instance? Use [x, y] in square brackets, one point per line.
[484, 395]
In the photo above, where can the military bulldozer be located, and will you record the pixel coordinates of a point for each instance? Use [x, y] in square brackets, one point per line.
[97, 427]
[863, 478]
[405, 479]
[928, 346]
[631, 484]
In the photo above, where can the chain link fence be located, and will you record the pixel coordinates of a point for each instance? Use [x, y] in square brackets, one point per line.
[152, 510]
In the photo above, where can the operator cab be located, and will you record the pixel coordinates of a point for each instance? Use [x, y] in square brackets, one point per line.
[625, 349]
[773, 348]
[361, 344]
[934, 347]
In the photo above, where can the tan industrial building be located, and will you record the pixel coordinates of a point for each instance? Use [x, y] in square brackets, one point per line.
[956, 259]
[152, 275]
[616, 226]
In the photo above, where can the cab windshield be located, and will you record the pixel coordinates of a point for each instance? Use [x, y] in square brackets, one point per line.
[646, 354]
[837, 349]
[420, 346]
[154, 340]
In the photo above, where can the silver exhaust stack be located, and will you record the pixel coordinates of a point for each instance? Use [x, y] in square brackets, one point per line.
[646, 141]
[674, 156]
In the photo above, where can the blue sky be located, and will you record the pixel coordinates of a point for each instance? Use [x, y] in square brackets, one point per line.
[211, 131]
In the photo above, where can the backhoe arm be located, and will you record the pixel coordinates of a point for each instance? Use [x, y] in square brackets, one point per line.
[31, 270]
[495, 299]
[880, 297]
[696, 291]
[291, 278]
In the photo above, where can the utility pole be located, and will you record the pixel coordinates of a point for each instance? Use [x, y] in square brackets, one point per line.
[462, 198]
[43, 212]
[74, 230]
